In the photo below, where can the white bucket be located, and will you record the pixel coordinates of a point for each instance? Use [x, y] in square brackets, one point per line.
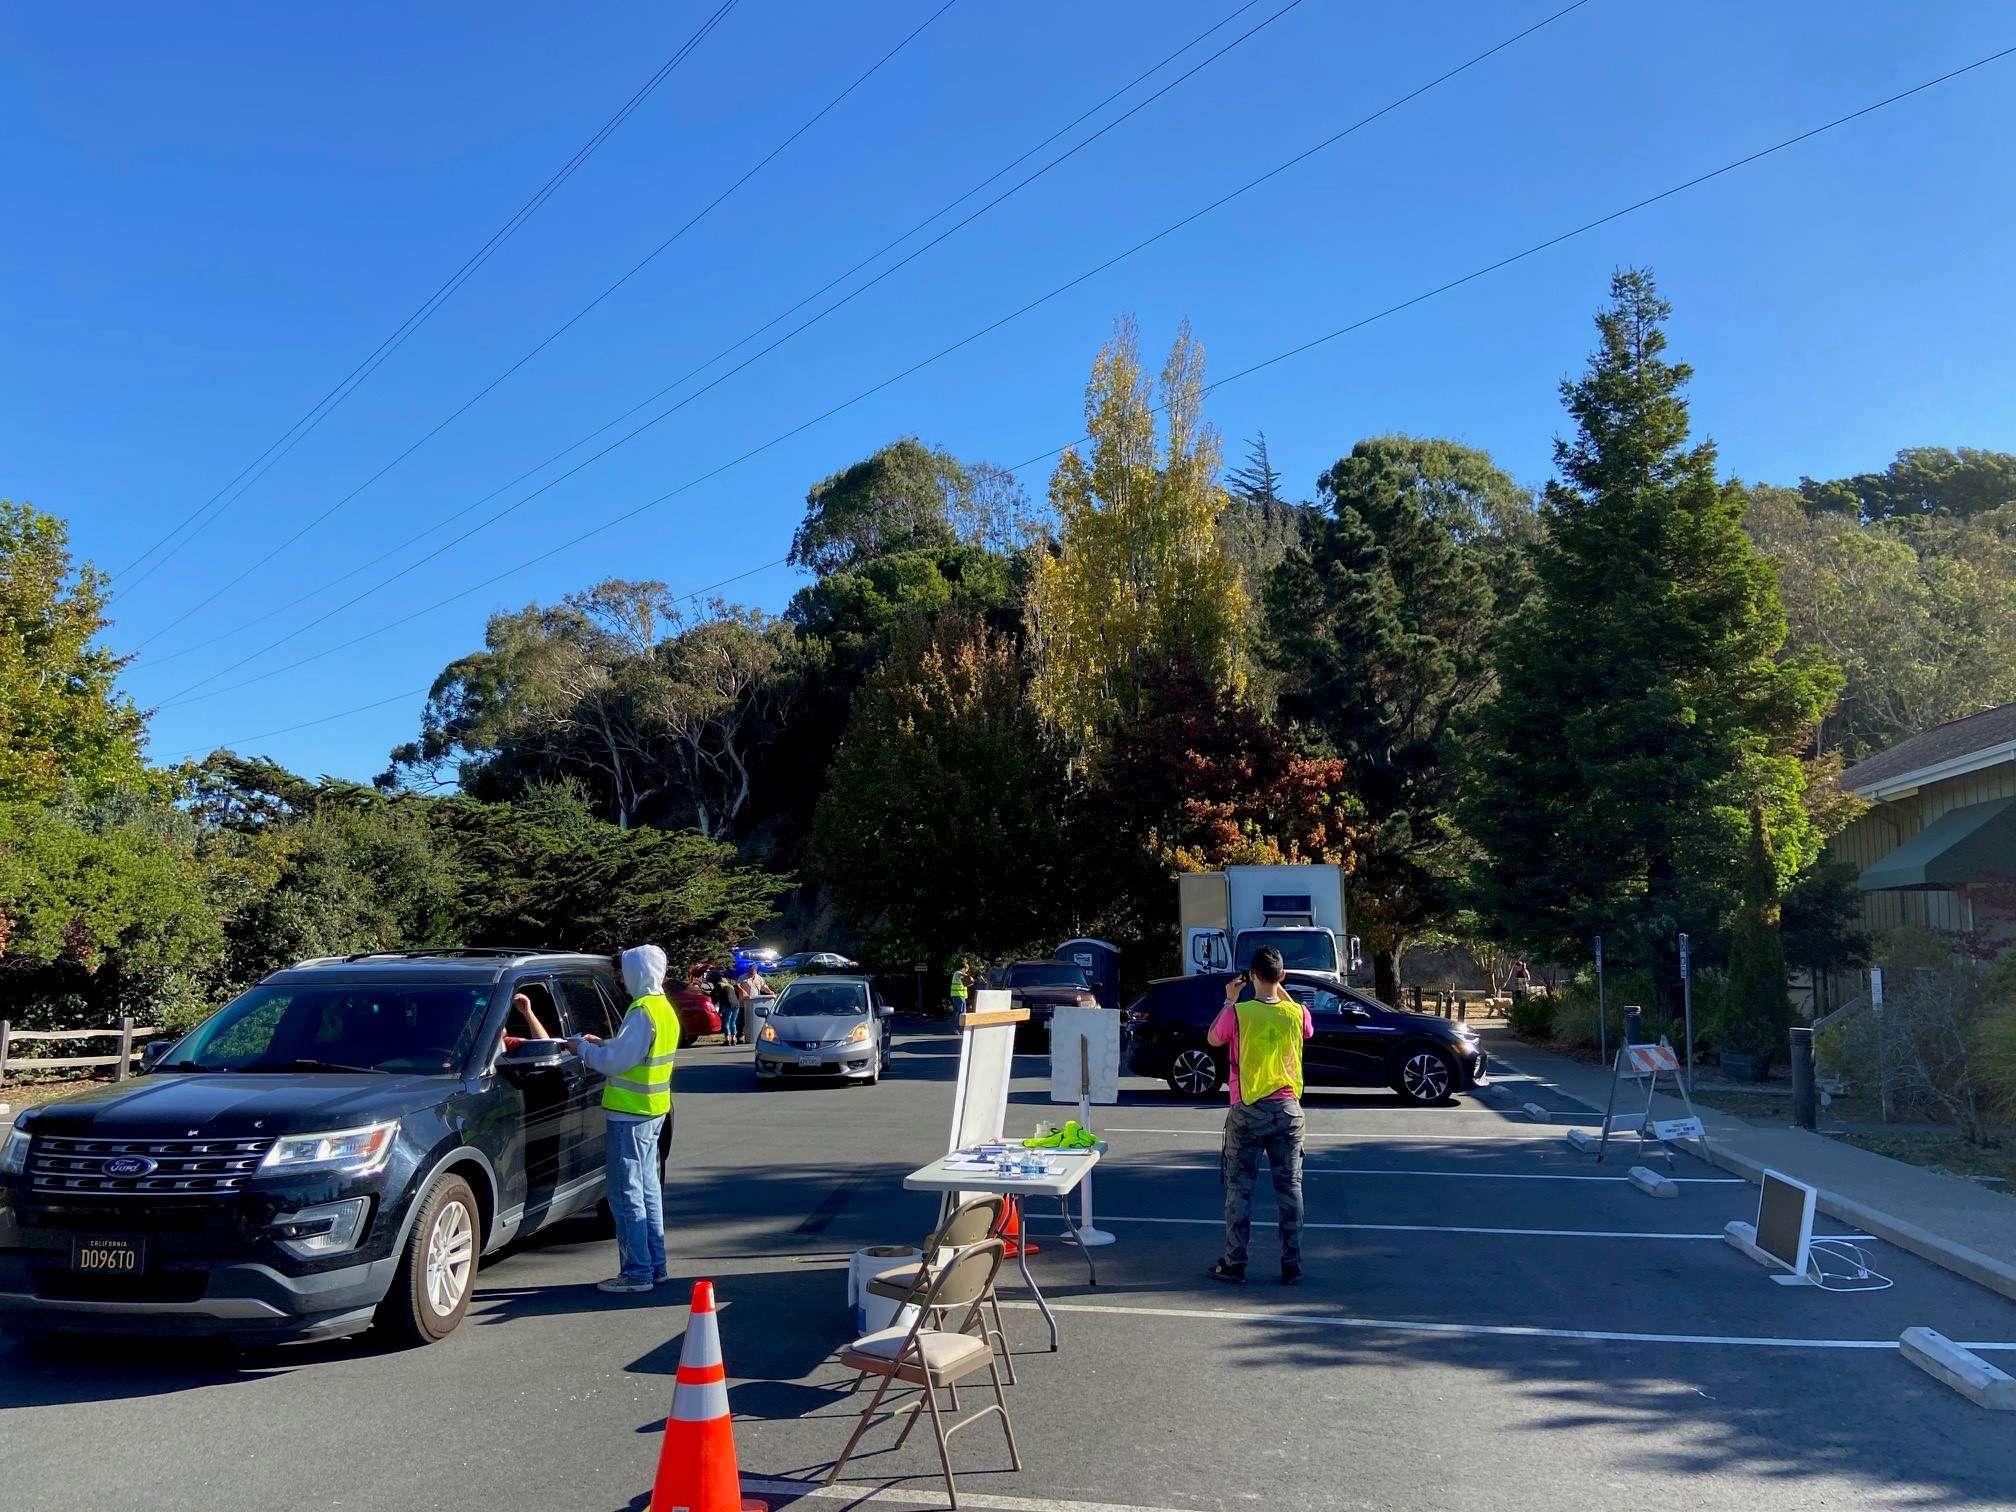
[873, 1313]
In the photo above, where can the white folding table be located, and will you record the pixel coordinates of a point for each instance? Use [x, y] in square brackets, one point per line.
[949, 1176]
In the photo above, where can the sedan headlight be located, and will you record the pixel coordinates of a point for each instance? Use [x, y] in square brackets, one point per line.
[351, 1152]
[14, 1153]
[769, 1033]
[859, 1036]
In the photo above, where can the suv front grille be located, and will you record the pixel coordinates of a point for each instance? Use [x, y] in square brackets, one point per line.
[62, 1166]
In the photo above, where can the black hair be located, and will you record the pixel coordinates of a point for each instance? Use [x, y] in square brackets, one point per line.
[1267, 964]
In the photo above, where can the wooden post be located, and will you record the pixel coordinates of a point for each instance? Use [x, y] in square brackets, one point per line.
[125, 1067]
[6, 1033]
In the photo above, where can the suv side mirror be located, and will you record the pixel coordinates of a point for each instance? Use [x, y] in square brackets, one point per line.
[155, 1053]
[883, 1010]
[534, 1055]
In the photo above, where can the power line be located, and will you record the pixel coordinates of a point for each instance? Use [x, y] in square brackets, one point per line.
[557, 332]
[323, 407]
[712, 383]
[1497, 265]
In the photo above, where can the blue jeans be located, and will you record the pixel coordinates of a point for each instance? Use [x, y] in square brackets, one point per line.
[636, 1195]
[731, 1021]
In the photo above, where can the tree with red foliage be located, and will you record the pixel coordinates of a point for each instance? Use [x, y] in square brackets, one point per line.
[1202, 781]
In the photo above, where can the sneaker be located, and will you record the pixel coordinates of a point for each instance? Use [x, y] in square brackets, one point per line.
[1291, 1275]
[622, 1284]
[661, 1278]
[1235, 1274]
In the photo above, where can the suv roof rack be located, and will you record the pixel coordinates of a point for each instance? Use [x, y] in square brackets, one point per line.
[500, 952]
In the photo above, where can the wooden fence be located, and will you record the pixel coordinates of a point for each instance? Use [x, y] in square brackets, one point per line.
[120, 1061]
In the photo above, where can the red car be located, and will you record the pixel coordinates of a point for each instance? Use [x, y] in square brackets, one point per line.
[697, 1014]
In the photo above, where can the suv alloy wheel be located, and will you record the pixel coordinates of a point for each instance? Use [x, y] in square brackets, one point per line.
[1424, 1076]
[437, 1272]
[1194, 1073]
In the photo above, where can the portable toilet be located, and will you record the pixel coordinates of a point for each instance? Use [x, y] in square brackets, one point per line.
[1102, 967]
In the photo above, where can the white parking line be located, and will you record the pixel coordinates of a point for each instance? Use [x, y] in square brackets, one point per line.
[1519, 1134]
[1309, 1169]
[1449, 1228]
[1498, 1330]
[857, 1495]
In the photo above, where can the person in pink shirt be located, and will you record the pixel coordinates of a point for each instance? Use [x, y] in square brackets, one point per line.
[1261, 1030]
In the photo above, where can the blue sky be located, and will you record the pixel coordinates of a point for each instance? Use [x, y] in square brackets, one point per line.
[215, 212]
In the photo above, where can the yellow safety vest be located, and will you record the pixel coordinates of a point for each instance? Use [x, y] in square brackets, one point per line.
[958, 985]
[646, 1088]
[1270, 1048]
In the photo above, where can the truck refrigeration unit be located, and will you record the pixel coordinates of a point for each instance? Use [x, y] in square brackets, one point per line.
[1299, 910]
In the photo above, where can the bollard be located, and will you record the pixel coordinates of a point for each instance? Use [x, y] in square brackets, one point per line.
[1634, 1026]
[1805, 1095]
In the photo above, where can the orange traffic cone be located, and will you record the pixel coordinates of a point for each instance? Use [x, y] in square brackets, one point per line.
[696, 1467]
[1010, 1231]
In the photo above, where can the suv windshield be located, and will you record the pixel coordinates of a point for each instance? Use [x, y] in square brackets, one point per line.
[822, 1000]
[1048, 974]
[339, 1026]
[1301, 949]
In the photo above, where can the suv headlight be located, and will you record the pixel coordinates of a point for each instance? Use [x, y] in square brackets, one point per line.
[14, 1153]
[352, 1152]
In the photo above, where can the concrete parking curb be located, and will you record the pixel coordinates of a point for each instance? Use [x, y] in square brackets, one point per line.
[1962, 1369]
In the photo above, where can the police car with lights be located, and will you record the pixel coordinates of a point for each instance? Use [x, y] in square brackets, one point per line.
[332, 1150]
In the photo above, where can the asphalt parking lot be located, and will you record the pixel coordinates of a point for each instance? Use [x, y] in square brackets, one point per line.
[1489, 1319]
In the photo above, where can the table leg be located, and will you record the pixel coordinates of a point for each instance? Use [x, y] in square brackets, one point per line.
[1022, 1259]
[1064, 1212]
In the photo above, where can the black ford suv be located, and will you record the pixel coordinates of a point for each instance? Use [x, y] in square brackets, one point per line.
[337, 1147]
[1359, 1041]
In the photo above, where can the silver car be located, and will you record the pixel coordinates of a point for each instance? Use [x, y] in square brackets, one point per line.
[824, 1026]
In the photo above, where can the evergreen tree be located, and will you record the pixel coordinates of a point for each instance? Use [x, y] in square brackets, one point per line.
[1256, 482]
[1380, 630]
[1757, 1011]
[1643, 708]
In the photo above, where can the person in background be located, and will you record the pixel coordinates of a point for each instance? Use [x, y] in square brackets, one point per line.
[1263, 1033]
[751, 986]
[638, 1063]
[961, 986]
[728, 1001]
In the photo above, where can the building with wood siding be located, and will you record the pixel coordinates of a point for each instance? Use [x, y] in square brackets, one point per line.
[1939, 838]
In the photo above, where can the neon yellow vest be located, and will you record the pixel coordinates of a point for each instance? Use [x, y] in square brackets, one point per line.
[646, 1088]
[958, 985]
[1270, 1048]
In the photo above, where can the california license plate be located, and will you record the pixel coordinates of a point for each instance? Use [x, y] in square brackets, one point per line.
[811, 1060]
[100, 1255]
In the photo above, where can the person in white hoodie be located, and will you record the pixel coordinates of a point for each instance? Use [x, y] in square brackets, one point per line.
[638, 1064]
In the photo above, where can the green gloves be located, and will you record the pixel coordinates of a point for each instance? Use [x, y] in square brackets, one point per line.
[1073, 1136]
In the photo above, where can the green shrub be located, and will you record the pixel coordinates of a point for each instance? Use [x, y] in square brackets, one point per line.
[1757, 1010]
[1532, 1017]
[1995, 1037]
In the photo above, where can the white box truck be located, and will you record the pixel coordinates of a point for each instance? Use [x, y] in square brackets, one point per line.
[1299, 910]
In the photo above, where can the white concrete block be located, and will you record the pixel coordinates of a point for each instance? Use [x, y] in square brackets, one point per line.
[1626, 1125]
[1962, 1369]
[1585, 1140]
[1743, 1236]
[1538, 1114]
[1651, 1183]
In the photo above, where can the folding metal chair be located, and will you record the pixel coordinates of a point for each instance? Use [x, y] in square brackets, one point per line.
[969, 1223]
[932, 1359]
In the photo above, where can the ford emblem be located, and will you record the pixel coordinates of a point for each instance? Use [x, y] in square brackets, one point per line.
[130, 1165]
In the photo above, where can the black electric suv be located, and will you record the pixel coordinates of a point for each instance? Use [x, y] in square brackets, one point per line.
[337, 1147]
[1359, 1041]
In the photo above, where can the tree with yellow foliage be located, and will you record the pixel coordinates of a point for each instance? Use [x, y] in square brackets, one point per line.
[1139, 573]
